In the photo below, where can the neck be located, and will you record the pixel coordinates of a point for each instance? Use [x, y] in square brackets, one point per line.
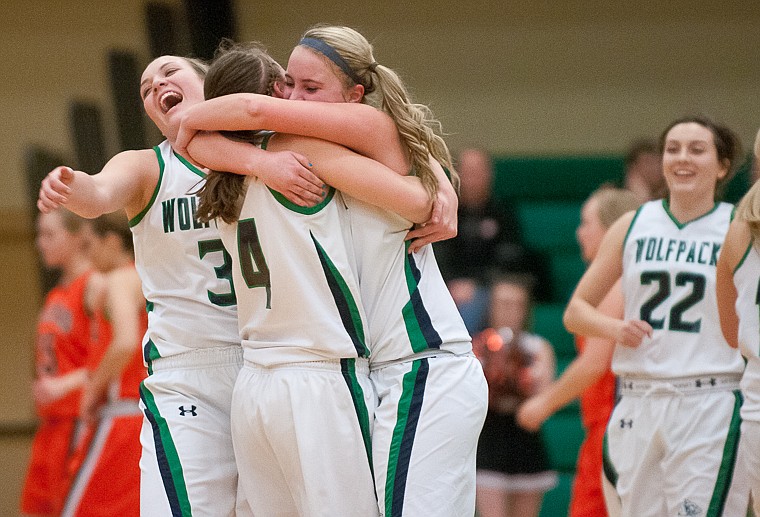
[76, 268]
[686, 210]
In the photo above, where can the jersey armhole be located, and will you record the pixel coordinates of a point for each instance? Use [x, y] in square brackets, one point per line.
[744, 256]
[139, 217]
[630, 227]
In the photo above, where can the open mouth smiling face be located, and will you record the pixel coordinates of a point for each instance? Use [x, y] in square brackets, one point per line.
[169, 100]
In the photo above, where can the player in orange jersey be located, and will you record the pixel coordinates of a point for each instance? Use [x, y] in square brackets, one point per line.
[63, 335]
[107, 480]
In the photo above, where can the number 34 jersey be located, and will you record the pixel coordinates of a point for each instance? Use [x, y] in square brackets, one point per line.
[669, 281]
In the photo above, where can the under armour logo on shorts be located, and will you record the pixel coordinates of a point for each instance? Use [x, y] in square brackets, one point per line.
[689, 508]
[185, 412]
[626, 423]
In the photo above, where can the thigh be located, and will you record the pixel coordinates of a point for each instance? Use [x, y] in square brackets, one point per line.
[427, 424]
[46, 479]
[748, 464]
[703, 437]
[634, 455]
[312, 426]
[107, 481]
[187, 463]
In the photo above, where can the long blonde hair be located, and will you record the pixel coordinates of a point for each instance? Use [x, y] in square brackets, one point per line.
[749, 207]
[420, 131]
[612, 203]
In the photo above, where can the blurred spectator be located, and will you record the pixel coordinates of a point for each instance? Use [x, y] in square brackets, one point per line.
[488, 240]
[512, 464]
[643, 170]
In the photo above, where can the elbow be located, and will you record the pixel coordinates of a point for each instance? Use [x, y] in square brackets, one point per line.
[88, 212]
[252, 108]
[568, 318]
[421, 210]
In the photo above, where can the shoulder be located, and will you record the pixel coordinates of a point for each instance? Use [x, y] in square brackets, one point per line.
[617, 233]
[95, 291]
[144, 167]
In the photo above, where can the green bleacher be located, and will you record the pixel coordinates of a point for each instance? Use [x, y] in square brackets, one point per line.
[547, 193]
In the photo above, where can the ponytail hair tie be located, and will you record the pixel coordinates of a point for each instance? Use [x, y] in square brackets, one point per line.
[373, 66]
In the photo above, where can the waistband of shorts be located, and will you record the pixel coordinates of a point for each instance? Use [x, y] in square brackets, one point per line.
[685, 385]
[426, 354]
[361, 365]
[121, 407]
[201, 357]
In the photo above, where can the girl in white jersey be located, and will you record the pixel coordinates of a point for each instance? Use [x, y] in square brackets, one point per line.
[738, 297]
[432, 393]
[192, 347]
[303, 403]
[671, 440]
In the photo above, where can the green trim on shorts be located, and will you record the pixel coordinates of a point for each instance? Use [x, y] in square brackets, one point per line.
[348, 369]
[728, 462]
[150, 354]
[168, 459]
[398, 465]
[607, 467]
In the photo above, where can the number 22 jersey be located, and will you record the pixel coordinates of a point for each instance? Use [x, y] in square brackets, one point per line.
[669, 281]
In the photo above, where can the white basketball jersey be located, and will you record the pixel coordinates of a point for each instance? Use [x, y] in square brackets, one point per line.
[747, 282]
[669, 281]
[185, 271]
[298, 295]
[408, 305]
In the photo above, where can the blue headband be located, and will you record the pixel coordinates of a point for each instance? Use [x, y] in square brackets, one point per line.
[331, 54]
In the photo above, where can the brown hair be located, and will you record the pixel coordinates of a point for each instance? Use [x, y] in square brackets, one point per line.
[420, 131]
[727, 144]
[236, 68]
[115, 223]
[73, 223]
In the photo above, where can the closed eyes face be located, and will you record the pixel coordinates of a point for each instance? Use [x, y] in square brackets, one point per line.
[311, 76]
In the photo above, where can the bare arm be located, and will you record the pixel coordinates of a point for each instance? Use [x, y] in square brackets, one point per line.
[287, 172]
[587, 368]
[124, 303]
[444, 221]
[49, 388]
[361, 177]
[360, 127]
[738, 239]
[543, 368]
[126, 182]
[582, 315]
